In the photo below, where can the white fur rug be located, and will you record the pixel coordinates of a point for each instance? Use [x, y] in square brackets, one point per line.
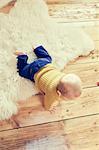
[28, 24]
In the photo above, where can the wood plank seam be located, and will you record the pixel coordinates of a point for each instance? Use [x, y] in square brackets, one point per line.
[61, 120]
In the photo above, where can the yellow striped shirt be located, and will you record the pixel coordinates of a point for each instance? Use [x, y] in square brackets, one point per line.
[46, 80]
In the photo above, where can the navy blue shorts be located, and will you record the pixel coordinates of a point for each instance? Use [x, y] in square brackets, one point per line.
[27, 70]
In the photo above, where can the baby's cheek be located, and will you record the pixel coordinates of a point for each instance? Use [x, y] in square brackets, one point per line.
[77, 94]
[71, 95]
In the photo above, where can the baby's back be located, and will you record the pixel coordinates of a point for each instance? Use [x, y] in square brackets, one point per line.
[47, 78]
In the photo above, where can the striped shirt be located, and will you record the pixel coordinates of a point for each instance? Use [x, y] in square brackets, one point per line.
[46, 80]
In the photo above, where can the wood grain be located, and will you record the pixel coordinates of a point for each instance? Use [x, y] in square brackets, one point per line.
[75, 134]
[74, 12]
[34, 137]
[83, 133]
[88, 72]
[70, 1]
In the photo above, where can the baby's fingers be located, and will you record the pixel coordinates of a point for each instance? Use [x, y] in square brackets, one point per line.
[52, 111]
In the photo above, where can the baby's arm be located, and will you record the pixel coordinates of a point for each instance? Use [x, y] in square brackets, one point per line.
[50, 103]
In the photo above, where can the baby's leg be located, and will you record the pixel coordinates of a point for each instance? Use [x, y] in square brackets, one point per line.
[22, 66]
[25, 70]
[42, 53]
[21, 62]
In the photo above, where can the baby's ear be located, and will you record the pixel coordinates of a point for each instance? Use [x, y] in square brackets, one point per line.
[59, 93]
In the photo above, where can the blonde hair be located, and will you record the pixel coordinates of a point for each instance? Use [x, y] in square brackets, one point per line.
[69, 78]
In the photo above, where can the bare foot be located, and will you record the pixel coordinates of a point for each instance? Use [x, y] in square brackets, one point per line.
[19, 53]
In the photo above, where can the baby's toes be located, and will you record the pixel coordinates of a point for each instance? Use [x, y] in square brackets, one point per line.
[18, 53]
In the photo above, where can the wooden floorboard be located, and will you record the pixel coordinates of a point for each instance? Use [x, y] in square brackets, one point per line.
[89, 72]
[74, 12]
[83, 133]
[70, 1]
[75, 134]
[34, 137]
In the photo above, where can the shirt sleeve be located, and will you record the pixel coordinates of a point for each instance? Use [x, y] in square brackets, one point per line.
[50, 101]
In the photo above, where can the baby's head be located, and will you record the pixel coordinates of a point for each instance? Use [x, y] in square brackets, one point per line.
[69, 86]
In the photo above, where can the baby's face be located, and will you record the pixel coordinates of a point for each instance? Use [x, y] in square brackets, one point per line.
[72, 91]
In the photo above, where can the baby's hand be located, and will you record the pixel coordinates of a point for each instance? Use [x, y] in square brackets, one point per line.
[54, 107]
[53, 110]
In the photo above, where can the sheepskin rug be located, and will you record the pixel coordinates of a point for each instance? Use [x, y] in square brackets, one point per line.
[28, 25]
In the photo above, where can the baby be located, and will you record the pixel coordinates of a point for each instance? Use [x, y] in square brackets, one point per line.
[54, 84]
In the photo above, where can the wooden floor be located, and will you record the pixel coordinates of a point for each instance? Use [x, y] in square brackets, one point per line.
[74, 126]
